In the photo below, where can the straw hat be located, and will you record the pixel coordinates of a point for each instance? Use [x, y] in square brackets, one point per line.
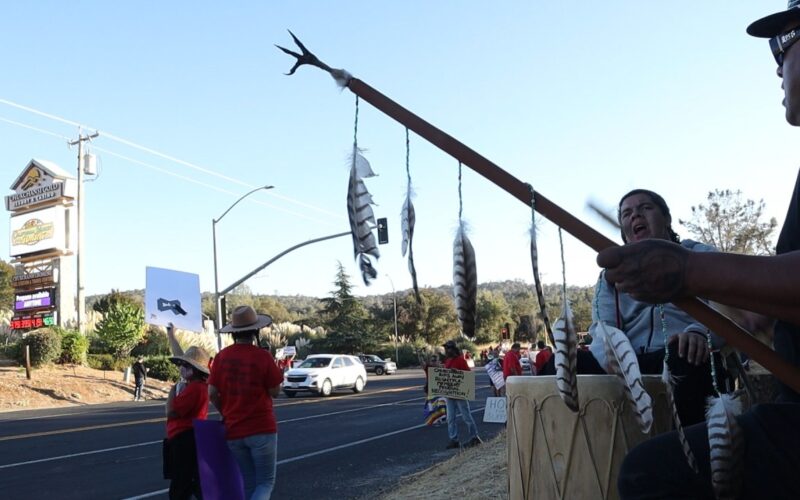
[245, 318]
[195, 356]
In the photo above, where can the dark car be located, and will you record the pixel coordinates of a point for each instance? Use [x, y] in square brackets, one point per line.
[375, 364]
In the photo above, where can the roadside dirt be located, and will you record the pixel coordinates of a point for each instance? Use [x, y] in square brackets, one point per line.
[56, 386]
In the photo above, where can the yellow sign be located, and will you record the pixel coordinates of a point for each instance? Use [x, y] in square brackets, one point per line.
[454, 384]
[32, 232]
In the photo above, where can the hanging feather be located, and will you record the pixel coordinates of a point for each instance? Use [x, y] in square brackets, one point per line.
[465, 282]
[566, 357]
[726, 444]
[537, 281]
[407, 220]
[362, 218]
[621, 361]
[669, 383]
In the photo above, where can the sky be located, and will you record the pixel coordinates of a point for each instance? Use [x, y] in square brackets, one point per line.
[583, 100]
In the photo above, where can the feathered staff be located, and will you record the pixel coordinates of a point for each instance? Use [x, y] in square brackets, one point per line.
[726, 445]
[537, 281]
[359, 211]
[736, 336]
[566, 345]
[465, 275]
[407, 220]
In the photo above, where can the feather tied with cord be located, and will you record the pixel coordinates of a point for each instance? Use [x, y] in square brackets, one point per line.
[622, 362]
[669, 383]
[361, 216]
[566, 357]
[407, 220]
[465, 283]
[726, 445]
[537, 282]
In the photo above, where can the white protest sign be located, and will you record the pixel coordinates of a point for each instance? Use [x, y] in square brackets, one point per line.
[289, 350]
[173, 297]
[279, 353]
[495, 411]
[454, 384]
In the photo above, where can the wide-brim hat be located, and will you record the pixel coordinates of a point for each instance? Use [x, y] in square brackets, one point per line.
[195, 356]
[245, 318]
[773, 24]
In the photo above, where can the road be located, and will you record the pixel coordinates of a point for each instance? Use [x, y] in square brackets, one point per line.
[345, 446]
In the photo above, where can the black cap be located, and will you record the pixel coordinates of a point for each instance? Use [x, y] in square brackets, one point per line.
[450, 344]
[773, 24]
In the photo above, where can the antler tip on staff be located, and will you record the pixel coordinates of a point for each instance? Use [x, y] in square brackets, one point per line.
[307, 57]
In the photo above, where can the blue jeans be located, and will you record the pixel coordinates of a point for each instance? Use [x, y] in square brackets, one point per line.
[452, 424]
[257, 457]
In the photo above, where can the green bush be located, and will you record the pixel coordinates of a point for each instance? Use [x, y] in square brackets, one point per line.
[45, 346]
[100, 361]
[10, 351]
[162, 368]
[155, 343]
[73, 347]
[406, 354]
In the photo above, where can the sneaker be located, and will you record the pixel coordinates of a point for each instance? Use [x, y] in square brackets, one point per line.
[453, 444]
[474, 442]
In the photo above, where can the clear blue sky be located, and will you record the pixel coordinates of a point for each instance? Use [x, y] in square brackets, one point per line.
[584, 100]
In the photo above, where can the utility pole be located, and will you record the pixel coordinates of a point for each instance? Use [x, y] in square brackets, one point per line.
[79, 253]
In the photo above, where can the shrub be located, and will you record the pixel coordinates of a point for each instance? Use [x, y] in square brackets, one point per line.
[122, 328]
[100, 361]
[162, 368]
[73, 347]
[45, 346]
[406, 354]
[10, 351]
[155, 343]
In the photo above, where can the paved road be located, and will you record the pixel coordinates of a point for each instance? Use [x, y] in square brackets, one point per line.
[345, 446]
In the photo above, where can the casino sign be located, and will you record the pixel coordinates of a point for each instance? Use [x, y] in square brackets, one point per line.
[28, 322]
[39, 183]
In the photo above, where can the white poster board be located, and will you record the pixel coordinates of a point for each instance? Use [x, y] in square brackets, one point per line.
[289, 350]
[495, 410]
[173, 297]
[454, 384]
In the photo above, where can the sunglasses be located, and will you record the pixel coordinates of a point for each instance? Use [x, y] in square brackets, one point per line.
[781, 43]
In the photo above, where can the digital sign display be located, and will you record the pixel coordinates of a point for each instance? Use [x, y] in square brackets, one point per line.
[39, 299]
[30, 322]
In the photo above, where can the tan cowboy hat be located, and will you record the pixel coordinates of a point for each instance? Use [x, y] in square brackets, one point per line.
[195, 356]
[245, 318]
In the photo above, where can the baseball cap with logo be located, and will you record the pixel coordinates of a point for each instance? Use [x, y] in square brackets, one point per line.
[773, 24]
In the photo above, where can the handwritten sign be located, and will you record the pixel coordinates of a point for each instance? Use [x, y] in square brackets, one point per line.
[454, 384]
[495, 411]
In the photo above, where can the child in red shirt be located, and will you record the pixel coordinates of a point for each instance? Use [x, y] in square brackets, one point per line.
[187, 400]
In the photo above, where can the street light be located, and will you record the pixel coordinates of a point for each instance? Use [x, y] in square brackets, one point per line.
[218, 309]
[394, 299]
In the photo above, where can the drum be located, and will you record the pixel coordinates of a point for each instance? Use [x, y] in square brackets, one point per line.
[555, 453]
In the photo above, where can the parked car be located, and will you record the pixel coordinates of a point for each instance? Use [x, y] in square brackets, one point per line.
[325, 373]
[374, 363]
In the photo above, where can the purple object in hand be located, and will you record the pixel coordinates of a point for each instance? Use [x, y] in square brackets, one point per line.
[220, 477]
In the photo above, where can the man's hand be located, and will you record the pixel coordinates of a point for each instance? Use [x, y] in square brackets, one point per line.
[650, 271]
[692, 346]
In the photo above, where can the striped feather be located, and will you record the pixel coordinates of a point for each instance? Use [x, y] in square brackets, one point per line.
[361, 216]
[407, 220]
[465, 282]
[669, 382]
[726, 444]
[537, 281]
[566, 357]
[622, 362]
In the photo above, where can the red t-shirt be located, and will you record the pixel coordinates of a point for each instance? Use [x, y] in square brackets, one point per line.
[191, 403]
[457, 363]
[511, 364]
[542, 357]
[243, 375]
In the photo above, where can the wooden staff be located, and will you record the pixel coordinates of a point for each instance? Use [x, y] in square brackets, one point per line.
[730, 331]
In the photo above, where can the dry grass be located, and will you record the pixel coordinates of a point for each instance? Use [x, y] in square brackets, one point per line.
[474, 474]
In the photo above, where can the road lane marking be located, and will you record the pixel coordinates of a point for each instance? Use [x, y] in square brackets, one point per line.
[81, 429]
[18, 464]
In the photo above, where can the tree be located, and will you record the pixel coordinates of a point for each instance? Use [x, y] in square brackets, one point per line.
[493, 313]
[122, 328]
[6, 290]
[437, 317]
[731, 224]
[115, 297]
[346, 319]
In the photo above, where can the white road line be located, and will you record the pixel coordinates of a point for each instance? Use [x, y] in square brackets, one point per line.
[8, 466]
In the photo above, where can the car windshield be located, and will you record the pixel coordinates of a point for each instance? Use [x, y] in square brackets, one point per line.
[316, 363]
[372, 357]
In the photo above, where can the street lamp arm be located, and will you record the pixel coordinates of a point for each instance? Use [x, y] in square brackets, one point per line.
[240, 199]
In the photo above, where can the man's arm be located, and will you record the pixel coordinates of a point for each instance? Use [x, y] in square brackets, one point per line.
[659, 271]
[214, 397]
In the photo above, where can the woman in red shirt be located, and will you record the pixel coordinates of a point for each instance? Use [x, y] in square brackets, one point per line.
[187, 400]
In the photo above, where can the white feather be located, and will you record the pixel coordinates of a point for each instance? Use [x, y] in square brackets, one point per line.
[669, 383]
[566, 357]
[361, 216]
[726, 445]
[622, 362]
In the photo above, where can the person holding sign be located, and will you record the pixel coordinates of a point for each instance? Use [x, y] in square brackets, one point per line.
[454, 360]
[511, 364]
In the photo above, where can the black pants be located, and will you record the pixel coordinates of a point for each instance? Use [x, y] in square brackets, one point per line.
[693, 387]
[658, 469]
[180, 465]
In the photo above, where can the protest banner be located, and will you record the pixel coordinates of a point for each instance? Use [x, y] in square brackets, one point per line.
[173, 297]
[454, 384]
[495, 410]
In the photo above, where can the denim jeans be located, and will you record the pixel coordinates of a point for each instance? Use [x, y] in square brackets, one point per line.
[257, 458]
[452, 424]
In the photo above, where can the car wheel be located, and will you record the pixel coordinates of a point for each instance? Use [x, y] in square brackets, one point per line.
[378, 370]
[359, 385]
[326, 388]
[289, 394]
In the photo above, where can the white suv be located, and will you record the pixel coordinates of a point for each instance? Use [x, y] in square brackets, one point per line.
[323, 373]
